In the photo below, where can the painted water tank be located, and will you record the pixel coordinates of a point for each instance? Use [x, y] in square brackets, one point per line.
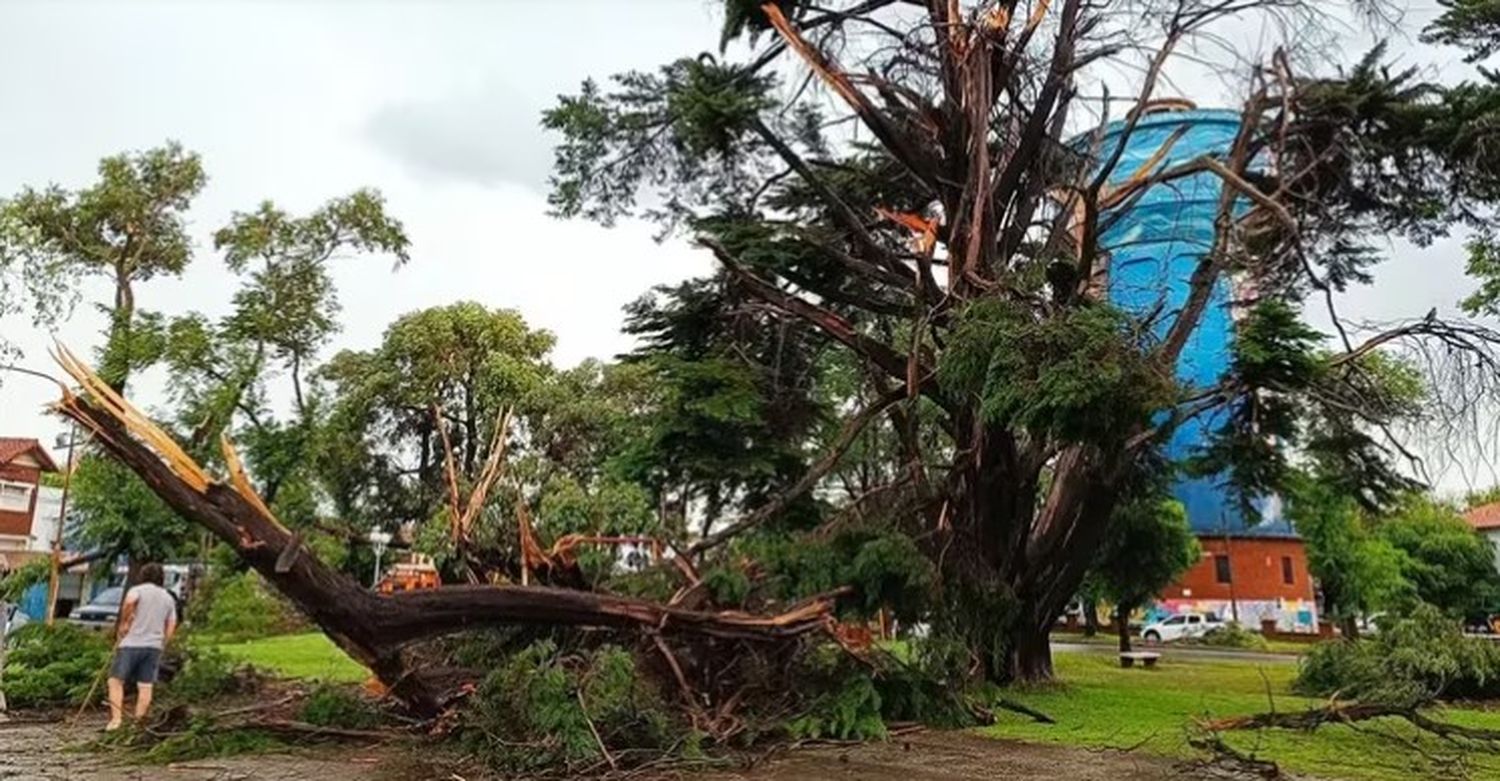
[1153, 247]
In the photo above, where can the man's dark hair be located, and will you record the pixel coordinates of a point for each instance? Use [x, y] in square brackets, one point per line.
[152, 573]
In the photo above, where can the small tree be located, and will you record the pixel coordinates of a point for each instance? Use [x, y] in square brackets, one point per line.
[1148, 546]
[1448, 564]
[1357, 571]
[128, 227]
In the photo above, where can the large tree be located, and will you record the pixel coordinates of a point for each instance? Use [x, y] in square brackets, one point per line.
[129, 227]
[927, 211]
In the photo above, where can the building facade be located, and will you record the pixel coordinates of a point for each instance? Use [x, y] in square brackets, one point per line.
[22, 464]
[1251, 579]
[29, 515]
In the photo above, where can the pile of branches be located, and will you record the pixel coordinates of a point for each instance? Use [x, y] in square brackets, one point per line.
[712, 661]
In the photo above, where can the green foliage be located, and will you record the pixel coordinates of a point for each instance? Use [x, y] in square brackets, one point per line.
[885, 569]
[121, 513]
[1076, 376]
[680, 129]
[1447, 563]
[926, 680]
[471, 360]
[128, 227]
[1230, 635]
[1484, 266]
[205, 673]
[53, 665]
[729, 586]
[1149, 543]
[534, 710]
[1358, 571]
[331, 705]
[1413, 659]
[202, 738]
[1273, 357]
[1474, 24]
[240, 606]
[849, 711]
[15, 582]
[728, 402]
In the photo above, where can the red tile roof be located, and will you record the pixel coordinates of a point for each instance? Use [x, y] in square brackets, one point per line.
[1484, 517]
[12, 448]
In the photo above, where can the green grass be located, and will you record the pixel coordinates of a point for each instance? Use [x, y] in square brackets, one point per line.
[1100, 705]
[311, 655]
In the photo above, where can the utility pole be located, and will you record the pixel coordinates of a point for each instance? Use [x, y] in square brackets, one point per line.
[54, 582]
[1234, 605]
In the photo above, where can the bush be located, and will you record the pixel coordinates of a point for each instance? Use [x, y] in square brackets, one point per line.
[1230, 635]
[1412, 660]
[205, 673]
[535, 710]
[241, 607]
[328, 705]
[53, 665]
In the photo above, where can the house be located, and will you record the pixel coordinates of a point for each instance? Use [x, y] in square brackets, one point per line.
[1251, 576]
[1486, 520]
[29, 514]
[22, 464]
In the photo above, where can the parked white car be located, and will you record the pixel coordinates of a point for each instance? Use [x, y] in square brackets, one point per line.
[1179, 626]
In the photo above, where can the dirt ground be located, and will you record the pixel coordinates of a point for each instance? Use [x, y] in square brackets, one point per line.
[36, 751]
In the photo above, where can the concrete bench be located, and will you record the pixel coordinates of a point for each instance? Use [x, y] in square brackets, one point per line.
[1146, 658]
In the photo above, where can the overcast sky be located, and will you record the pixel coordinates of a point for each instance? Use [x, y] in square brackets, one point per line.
[435, 104]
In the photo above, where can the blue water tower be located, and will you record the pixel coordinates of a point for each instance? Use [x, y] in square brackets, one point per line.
[1153, 246]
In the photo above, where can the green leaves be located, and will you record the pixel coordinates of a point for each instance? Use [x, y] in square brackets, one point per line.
[682, 130]
[1474, 24]
[129, 226]
[1148, 545]
[1076, 376]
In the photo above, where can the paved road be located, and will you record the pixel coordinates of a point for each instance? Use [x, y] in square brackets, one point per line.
[1169, 652]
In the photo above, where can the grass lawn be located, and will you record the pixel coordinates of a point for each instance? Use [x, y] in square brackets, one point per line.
[1097, 704]
[311, 655]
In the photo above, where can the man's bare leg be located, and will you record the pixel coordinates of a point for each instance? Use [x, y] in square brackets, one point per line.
[142, 700]
[116, 703]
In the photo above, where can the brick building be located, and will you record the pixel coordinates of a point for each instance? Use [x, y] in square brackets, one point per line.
[22, 463]
[1249, 576]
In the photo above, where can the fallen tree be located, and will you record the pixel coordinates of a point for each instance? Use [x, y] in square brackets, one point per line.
[375, 628]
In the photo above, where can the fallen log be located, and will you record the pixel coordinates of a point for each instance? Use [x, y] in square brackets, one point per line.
[371, 627]
[1335, 713]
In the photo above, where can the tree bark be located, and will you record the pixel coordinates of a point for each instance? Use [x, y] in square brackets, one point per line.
[1122, 625]
[1090, 618]
[374, 628]
[1030, 657]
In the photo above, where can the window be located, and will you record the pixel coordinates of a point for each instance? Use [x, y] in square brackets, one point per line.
[1174, 621]
[1286, 571]
[1221, 568]
[15, 497]
[1195, 619]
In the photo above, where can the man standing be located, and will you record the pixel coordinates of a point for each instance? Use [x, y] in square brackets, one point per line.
[147, 620]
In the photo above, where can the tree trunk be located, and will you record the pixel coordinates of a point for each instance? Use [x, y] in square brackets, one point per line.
[374, 628]
[1090, 618]
[1122, 625]
[1030, 657]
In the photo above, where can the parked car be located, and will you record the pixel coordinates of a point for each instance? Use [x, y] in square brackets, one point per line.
[101, 612]
[1179, 626]
[13, 619]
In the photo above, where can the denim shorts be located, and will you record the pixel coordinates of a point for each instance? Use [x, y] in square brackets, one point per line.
[136, 665]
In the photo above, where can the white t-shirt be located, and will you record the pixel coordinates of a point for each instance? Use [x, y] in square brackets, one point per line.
[154, 608]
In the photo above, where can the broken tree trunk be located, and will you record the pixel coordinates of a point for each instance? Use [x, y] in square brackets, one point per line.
[373, 628]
